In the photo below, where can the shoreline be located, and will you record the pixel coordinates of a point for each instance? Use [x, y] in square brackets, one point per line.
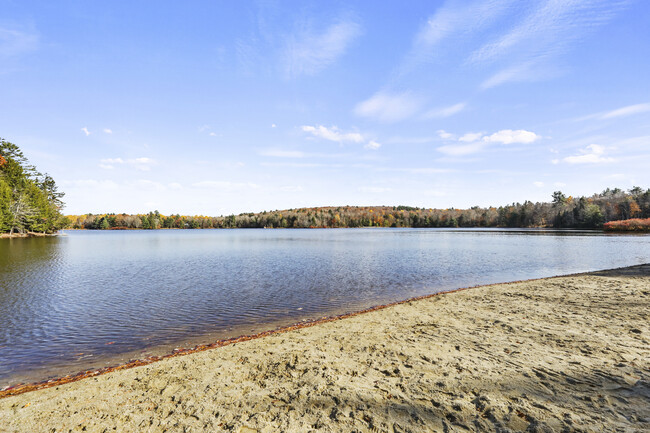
[548, 354]
[27, 235]
[21, 388]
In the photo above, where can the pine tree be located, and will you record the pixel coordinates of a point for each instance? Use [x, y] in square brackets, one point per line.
[29, 201]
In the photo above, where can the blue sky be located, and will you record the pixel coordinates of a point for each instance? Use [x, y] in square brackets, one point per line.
[225, 107]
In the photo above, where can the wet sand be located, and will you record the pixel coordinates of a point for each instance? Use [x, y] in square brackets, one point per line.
[557, 354]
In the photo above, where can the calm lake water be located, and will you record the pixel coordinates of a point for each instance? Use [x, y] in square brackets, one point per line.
[89, 299]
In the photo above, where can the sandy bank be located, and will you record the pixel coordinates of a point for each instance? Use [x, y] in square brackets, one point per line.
[558, 354]
[26, 235]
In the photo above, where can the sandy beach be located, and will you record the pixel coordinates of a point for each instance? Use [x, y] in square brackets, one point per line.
[557, 354]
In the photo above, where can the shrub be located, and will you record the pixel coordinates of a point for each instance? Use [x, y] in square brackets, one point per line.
[631, 225]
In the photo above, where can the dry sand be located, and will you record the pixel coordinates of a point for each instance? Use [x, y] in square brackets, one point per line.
[558, 354]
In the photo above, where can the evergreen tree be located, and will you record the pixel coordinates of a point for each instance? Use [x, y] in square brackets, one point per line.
[29, 201]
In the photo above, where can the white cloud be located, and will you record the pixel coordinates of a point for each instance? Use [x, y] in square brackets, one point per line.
[333, 134]
[446, 111]
[508, 136]
[374, 189]
[283, 153]
[85, 131]
[273, 125]
[292, 188]
[478, 141]
[142, 164]
[213, 134]
[372, 145]
[538, 184]
[592, 154]
[471, 137]
[148, 185]
[420, 170]
[113, 161]
[107, 131]
[461, 149]
[444, 134]
[627, 111]
[389, 107]
[93, 184]
[300, 165]
[142, 160]
[309, 53]
[225, 185]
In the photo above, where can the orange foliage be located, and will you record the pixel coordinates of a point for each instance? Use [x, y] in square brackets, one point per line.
[631, 225]
[3, 161]
[635, 210]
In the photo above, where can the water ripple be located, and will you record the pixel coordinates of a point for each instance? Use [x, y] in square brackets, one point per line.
[91, 298]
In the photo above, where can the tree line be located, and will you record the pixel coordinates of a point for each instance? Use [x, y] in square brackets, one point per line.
[29, 201]
[561, 212]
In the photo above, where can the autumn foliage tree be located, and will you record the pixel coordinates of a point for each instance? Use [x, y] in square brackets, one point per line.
[561, 212]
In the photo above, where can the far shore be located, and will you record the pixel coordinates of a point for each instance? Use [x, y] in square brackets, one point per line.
[26, 235]
[568, 353]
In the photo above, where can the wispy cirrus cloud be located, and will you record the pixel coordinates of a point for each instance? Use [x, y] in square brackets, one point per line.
[548, 29]
[532, 70]
[453, 20]
[17, 41]
[308, 52]
[511, 41]
[627, 111]
[532, 44]
[445, 111]
[389, 107]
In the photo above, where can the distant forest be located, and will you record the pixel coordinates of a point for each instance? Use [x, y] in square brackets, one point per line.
[561, 212]
[29, 201]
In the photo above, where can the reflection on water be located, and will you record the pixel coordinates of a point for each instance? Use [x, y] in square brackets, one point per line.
[89, 298]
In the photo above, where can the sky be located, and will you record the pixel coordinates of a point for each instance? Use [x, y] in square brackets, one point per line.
[220, 107]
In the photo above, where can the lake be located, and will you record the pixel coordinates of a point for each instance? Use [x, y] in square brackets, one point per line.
[87, 299]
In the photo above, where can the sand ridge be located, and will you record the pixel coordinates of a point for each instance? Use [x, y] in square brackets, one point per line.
[558, 354]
